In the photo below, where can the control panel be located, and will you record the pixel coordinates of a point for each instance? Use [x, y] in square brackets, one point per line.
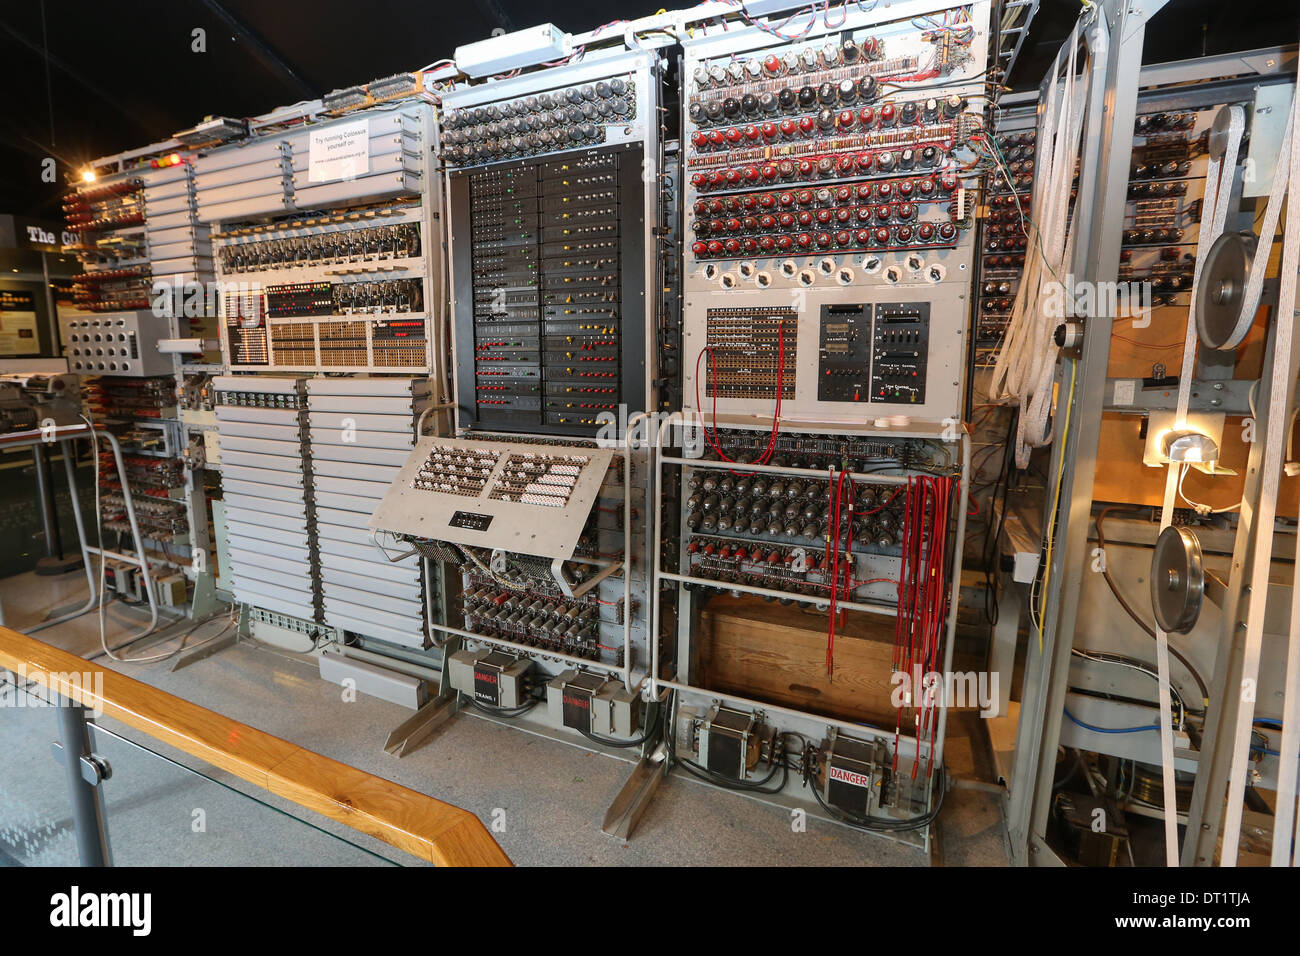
[553, 195]
[329, 265]
[836, 171]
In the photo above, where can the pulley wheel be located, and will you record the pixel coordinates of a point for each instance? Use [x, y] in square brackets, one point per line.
[1177, 580]
[1219, 138]
[1222, 289]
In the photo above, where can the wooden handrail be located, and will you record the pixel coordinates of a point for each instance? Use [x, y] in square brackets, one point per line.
[413, 822]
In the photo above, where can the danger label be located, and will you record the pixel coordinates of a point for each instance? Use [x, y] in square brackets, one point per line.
[849, 777]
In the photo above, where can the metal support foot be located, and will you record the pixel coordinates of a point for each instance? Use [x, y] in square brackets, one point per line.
[413, 731]
[633, 800]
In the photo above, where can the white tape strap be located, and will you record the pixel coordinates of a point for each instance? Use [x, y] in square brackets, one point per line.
[1025, 367]
[1279, 421]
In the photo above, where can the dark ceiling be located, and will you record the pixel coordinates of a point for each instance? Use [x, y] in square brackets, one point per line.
[89, 79]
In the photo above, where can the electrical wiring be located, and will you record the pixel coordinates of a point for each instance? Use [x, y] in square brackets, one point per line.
[885, 824]
[833, 543]
[1198, 507]
[1056, 503]
[709, 776]
[923, 601]
[1121, 661]
[616, 742]
[1026, 363]
[992, 535]
[752, 786]
[1109, 730]
[506, 712]
[768, 451]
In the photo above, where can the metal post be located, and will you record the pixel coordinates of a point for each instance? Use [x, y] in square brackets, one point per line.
[45, 497]
[1115, 39]
[85, 772]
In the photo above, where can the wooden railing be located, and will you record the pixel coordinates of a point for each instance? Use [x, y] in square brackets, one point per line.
[413, 822]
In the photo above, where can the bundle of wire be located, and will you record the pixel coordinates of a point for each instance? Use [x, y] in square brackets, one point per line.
[835, 493]
[1027, 359]
[922, 604]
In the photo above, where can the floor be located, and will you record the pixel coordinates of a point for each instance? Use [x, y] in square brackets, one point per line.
[546, 797]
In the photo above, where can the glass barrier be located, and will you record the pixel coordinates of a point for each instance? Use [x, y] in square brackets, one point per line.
[159, 811]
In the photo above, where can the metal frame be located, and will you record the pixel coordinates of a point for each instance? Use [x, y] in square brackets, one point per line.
[1116, 37]
[907, 744]
[1113, 36]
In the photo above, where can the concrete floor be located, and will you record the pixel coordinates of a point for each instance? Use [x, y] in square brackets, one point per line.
[550, 795]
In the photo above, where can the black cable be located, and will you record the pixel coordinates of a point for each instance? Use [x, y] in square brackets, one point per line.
[750, 786]
[709, 776]
[884, 824]
[1150, 631]
[988, 551]
[506, 712]
[615, 742]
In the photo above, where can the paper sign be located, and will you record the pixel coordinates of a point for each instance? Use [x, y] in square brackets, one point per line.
[339, 152]
[18, 324]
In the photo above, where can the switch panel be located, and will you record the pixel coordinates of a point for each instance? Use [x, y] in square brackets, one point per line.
[844, 358]
[899, 352]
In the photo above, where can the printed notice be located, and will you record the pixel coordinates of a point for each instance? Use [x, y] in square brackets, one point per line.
[339, 152]
[18, 324]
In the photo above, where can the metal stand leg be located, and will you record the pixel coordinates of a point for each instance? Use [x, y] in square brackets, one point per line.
[58, 618]
[86, 772]
[55, 561]
[413, 731]
[416, 729]
[633, 800]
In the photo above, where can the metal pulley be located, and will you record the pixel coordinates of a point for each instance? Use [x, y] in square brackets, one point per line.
[1177, 580]
[1221, 132]
[1221, 321]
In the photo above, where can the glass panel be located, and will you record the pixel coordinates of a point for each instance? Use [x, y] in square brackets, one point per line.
[164, 813]
[35, 810]
[160, 812]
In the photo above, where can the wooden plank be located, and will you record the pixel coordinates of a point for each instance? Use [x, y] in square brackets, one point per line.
[768, 651]
[413, 822]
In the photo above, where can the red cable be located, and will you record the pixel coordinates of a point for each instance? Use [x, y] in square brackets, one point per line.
[834, 535]
[776, 414]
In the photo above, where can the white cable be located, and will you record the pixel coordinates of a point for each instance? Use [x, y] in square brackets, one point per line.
[1198, 507]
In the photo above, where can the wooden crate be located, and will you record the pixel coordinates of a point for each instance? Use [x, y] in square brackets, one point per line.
[766, 651]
